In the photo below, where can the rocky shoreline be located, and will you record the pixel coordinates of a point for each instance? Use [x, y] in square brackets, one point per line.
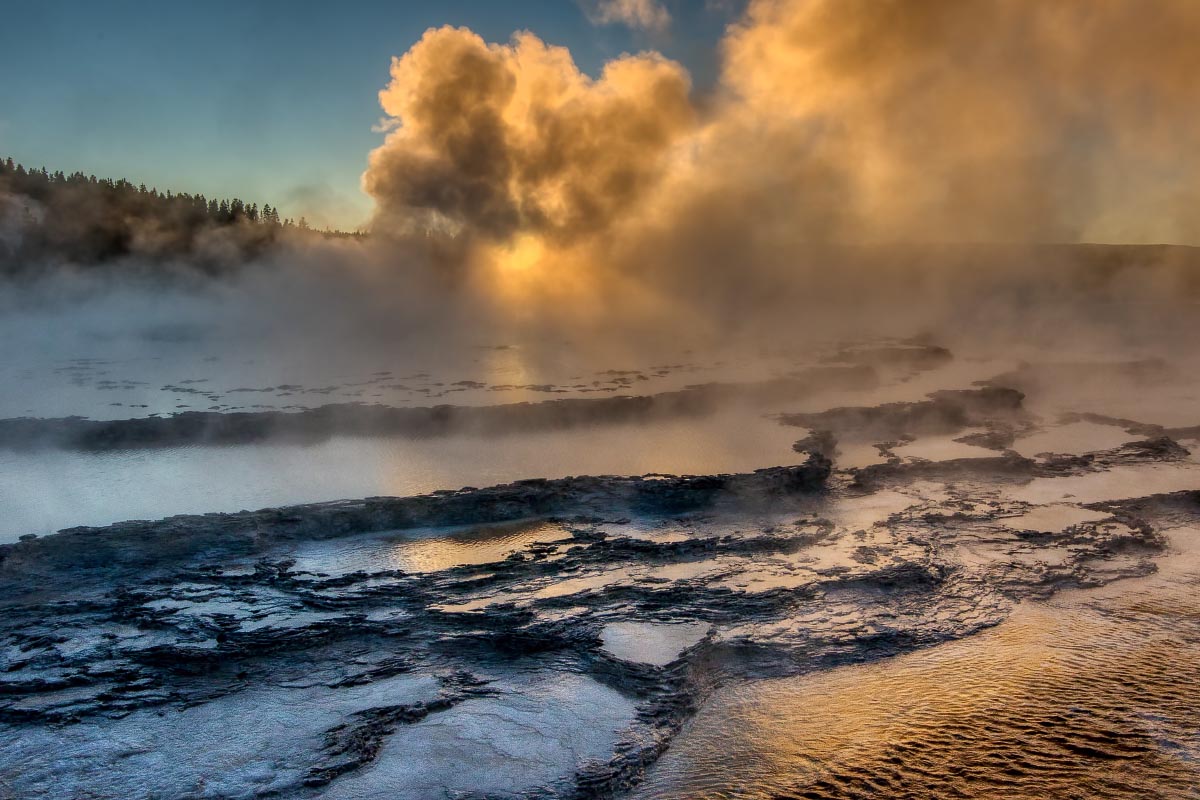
[547, 638]
[715, 578]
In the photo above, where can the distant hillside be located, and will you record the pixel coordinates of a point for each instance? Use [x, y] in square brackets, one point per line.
[49, 217]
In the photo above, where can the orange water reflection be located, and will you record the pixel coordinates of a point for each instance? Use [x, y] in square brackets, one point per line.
[1090, 695]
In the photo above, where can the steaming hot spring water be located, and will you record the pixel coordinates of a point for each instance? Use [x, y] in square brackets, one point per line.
[981, 598]
[44, 489]
[167, 369]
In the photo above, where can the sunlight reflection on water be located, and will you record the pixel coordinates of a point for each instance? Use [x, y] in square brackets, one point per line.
[1090, 695]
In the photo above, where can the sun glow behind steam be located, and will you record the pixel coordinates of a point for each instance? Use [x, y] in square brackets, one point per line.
[834, 123]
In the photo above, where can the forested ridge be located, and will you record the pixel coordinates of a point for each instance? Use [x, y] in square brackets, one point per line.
[57, 218]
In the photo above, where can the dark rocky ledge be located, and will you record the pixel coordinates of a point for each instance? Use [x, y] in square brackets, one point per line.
[140, 542]
[946, 411]
[296, 635]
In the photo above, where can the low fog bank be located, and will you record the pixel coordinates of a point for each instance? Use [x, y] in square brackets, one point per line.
[337, 339]
[321, 423]
[349, 302]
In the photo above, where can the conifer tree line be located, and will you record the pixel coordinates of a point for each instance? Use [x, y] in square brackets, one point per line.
[85, 220]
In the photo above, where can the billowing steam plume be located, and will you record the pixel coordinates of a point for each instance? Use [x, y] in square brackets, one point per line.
[834, 122]
[498, 140]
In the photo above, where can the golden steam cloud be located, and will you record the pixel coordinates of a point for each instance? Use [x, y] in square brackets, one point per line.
[498, 140]
[833, 121]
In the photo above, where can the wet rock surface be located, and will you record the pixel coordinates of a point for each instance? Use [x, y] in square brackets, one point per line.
[140, 544]
[546, 638]
[945, 411]
[1088, 694]
[326, 671]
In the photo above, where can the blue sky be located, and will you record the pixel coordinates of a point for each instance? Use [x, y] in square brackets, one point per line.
[272, 100]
